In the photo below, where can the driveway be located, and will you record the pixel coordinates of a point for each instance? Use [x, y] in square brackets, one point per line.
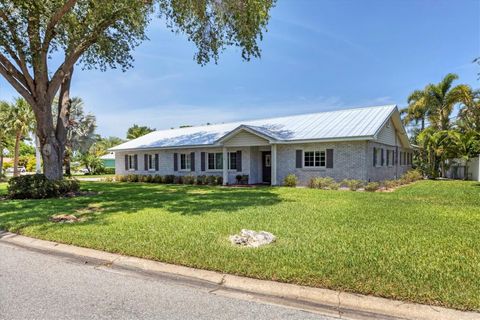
[40, 286]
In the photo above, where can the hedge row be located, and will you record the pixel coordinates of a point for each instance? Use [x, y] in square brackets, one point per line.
[328, 183]
[172, 179]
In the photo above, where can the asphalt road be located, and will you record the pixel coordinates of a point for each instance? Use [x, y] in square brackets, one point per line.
[36, 285]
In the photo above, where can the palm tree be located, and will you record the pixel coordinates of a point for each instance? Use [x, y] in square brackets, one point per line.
[6, 136]
[469, 114]
[137, 131]
[417, 110]
[436, 148]
[466, 146]
[441, 98]
[22, 122]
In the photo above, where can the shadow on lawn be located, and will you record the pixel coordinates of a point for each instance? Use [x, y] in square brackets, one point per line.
[133, 197]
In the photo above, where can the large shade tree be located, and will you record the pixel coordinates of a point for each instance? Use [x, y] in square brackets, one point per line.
[102, 33]
[137, 131]
[6, 131]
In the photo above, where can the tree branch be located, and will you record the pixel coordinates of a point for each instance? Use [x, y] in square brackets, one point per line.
[76, 53]
[13, 70]
[20, 57]
[50, 30]
[17, 85]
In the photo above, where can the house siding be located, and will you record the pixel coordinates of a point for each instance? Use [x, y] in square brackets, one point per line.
[245, 138]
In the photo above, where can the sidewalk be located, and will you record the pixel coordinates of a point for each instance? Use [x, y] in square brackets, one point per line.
[328, 302]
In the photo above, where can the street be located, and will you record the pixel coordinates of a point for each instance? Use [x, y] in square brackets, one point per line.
[36, 285]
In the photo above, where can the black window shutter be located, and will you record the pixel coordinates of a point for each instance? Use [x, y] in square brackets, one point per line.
[329, 158]
[135, 161]
[175, 162]
[145, 161]
[157, 162]
[192, 161]
[383, 157]
[126, 162]
[202, 161]
[239, 160]
[396, 155]
[388, 157]
[298, 159]
[374, 157]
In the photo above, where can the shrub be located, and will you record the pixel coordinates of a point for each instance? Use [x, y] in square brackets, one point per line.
[189, 180]
[290, 180]
[212, 180]
[37, 186]
[109, 170]
[244, 179]
[157, 179]
[372, 186]
[202, 180]
[411, 176]
[219, 181]
[390, 184]
[169, 179]
[352, 184]
[132, 178]
[238, 177]
[3, 178]
[326, 183]
[177, 179]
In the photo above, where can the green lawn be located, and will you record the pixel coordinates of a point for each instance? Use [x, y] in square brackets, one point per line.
[420, 243]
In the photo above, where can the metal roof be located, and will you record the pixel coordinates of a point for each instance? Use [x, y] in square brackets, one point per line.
[332, 125]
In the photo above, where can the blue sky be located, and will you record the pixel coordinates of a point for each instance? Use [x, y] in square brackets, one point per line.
[316, 56]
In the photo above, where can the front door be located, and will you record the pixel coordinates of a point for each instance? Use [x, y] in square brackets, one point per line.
[266, 166]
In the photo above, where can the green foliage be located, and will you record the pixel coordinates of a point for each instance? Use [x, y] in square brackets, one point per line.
[390, 184]
[352, 184]
[92, 163]
[394, 243]
[290, 180]
[372, 186]
[188, 179]
[202, 180]
[137, 131]
[326, 183]
[26, 149]
[37, 186]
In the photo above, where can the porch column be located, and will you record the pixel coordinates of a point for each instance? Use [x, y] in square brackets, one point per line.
[274, 164]
[225, 166]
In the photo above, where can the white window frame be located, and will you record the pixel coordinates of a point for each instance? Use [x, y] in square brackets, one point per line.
[188, 162]
[229, 156]
[215, 162]
[320, 166]
[150, 162]
[131, 162]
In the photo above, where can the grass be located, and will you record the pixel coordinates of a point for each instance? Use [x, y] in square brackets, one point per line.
[420, 243]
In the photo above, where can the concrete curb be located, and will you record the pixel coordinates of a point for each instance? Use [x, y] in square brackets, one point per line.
[340, 304]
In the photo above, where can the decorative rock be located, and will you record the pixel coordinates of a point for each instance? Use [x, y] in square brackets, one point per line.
[253, 239]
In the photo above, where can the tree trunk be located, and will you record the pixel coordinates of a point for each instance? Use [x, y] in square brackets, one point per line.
[1, 162]
[68, 170]
[16, 155]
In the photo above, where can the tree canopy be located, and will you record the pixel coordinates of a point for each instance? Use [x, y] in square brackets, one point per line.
[102, 34]
[137, 131]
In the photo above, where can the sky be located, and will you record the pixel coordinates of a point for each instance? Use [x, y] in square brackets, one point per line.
[316, 56]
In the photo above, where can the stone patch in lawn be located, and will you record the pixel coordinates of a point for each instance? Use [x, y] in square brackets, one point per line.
[252, 239]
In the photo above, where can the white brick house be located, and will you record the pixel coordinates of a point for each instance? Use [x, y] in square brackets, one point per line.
[363, 143]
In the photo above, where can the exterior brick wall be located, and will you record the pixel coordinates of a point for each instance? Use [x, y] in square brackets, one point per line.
[348, 161]
[351, 160]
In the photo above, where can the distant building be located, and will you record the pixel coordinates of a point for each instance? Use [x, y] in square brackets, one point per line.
[108, 160]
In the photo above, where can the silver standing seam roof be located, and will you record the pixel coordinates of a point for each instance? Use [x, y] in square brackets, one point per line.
[354, 124]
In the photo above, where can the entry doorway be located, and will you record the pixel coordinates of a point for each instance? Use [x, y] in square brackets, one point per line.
[266, 166]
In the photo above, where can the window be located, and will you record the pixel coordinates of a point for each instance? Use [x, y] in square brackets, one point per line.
[232, 161]
[215, 161]
[131, 162]
[314, 159]
[185, 161]
[150, 164]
